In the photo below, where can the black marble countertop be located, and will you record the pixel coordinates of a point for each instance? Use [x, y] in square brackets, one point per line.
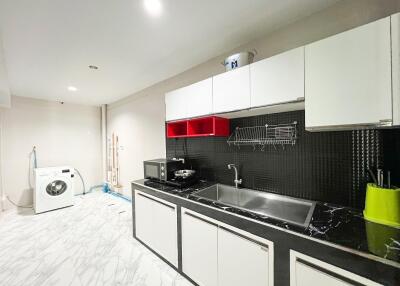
[338, 225]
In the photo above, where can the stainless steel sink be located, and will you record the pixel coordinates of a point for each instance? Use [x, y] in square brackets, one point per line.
[291, 210]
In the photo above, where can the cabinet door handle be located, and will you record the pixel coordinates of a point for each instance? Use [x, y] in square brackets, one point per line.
[385, 122]
[161, 203]
[262, 245]
[201, 219]
[329, 272]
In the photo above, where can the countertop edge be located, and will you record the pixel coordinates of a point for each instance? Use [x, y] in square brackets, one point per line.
[334, 245]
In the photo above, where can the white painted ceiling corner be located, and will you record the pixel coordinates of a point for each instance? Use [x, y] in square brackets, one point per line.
[49, 45]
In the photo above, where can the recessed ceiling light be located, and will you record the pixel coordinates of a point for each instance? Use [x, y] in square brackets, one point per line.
[72, 88]
[153, 7]
[93, 67]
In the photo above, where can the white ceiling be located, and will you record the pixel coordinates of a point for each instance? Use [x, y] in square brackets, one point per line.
[49, 44]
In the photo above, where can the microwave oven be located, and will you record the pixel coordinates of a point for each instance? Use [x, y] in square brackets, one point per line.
[161, 169]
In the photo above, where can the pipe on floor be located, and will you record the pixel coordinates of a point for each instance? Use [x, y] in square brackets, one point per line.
[91, 189]
[118, 195]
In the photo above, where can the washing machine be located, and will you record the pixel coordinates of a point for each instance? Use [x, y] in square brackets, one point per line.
[54, 188]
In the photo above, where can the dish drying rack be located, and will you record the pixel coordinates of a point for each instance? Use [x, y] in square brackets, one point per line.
[281, 134]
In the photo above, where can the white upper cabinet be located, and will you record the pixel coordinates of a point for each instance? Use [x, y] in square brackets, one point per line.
[190, 101]
[199, 98]
[278, 79]
[395, 29]
[348, 78]
[175, 105]
[231, 90]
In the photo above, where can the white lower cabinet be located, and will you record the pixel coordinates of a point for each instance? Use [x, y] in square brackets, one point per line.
[143, 218]
[241, 260]
[166, 231]
[217, 254]
[199, 249]
[156, 225]
[306, 270]
[307, 275]
[214, 253]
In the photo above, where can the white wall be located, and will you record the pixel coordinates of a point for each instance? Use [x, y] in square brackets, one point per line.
[5, 95]
[64, 134]
[140, 127]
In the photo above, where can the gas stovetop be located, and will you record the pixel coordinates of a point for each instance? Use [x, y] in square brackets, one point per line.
[174, 185]
[180, 182]
[158, 185]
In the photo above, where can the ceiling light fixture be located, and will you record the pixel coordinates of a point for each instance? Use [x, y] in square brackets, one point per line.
[93, 67]
[72, 88]
[153, 7]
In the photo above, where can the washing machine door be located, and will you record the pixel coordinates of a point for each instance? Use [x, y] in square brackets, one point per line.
[56, 188]
[54, 192]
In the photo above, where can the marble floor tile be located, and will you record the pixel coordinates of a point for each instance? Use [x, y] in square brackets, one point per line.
[88, 244]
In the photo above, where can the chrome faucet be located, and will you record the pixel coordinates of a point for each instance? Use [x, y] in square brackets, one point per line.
[237, 181]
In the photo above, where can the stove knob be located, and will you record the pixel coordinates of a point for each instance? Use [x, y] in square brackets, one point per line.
[162, 168]
[162, 174]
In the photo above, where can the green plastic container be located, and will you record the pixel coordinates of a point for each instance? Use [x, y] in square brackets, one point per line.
[382, 205]
[379, 237]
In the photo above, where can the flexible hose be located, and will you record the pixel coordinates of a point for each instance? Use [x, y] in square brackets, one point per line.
[34, 157]
[31, 173]
[32, 170]
[83, 181]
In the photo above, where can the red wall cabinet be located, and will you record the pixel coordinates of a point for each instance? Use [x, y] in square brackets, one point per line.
[177, 129]
[199, 127]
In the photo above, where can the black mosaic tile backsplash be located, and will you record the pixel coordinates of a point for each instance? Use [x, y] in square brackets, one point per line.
[323, 166]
